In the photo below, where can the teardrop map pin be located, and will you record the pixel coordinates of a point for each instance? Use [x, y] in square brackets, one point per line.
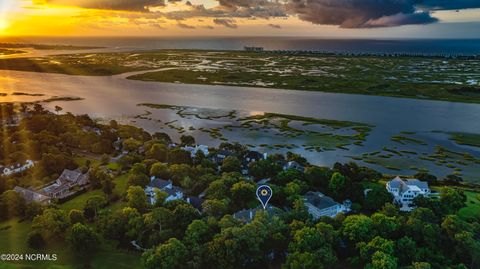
[264, 193]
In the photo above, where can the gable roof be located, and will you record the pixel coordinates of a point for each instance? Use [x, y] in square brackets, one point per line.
[417, 183]
[71, 176]
[405, 185]
[396, 183]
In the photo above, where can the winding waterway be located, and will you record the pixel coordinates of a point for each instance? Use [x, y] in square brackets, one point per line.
[117, 97]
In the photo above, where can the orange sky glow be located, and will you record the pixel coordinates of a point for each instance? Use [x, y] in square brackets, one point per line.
[193, 18]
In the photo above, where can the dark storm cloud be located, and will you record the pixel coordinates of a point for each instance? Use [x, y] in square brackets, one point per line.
[353, 13]
[448, 4]
[359, 13]
[226, 22]
[343, 13]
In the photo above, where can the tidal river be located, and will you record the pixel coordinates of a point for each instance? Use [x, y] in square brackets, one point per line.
[117, 97]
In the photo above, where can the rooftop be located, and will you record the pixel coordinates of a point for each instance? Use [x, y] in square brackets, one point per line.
[159, 183]
[319, 200]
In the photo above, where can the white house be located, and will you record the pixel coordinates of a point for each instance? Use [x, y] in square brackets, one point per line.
[13, 169]
[193, 150]
[320, 205]
[404, 191]
[174, 192]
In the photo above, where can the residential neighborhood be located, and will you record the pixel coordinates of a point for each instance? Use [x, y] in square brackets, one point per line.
[124, 190]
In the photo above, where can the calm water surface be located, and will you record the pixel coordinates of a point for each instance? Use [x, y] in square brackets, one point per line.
[117, 97]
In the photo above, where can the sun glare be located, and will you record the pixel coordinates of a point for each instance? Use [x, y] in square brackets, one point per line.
[3, 25]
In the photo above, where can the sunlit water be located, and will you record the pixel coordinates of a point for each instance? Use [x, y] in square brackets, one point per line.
[116, 97]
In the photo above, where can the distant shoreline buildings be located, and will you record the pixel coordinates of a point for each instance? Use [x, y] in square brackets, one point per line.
[445, 55]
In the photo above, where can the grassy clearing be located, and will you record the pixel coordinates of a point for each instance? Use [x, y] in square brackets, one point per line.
[13, 240]
[472, 209]
[78, 202]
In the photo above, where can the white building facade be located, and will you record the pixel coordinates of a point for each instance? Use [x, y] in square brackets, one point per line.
[404, 191]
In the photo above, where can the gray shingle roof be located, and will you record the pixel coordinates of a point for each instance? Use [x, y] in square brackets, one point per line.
[30, 195]
[319, 200]
[396, 183]
[418, 183]
[159, 183]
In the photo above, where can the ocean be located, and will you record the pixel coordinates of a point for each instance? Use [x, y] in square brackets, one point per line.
[410, 46]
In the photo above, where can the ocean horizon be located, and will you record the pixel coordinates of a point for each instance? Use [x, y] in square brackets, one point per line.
[335, 45]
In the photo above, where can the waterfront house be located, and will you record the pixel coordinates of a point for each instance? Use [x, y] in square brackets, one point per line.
[193, 150]
[252, 156]
[404, 191]
[221, 155]
[294, 165]
[320, 205]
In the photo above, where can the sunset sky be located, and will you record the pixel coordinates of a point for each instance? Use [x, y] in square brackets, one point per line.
[316, 18]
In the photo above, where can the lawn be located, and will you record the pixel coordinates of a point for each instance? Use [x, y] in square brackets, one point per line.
[473, 205]
[13, 240]
[79, 201]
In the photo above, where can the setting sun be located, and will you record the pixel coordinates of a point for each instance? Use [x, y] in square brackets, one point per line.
[3, 25]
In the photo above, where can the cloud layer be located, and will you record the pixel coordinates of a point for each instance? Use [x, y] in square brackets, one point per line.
[127, 5]
[342, 13]
[360, 13]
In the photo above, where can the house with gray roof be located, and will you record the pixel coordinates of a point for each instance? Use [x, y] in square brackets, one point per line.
[404, 191]
[67, 184]
[174, 192]
[294, 165]
[320, 205]
[247, 215]
[32, 196]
